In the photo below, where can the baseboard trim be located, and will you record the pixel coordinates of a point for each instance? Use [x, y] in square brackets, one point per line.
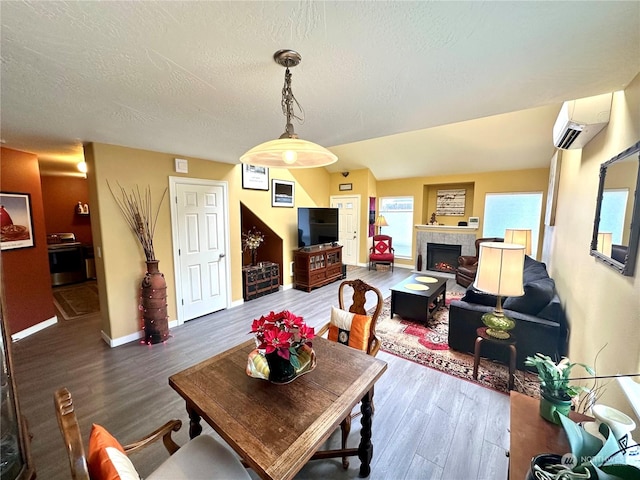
[116, 342]
[34, 329]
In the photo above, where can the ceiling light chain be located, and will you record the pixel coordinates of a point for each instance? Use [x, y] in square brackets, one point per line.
[288, 151]
[289, 101]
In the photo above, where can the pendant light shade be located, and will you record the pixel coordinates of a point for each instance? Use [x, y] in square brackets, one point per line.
[289, 151]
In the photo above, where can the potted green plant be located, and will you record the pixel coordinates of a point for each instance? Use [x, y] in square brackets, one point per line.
[555, 392]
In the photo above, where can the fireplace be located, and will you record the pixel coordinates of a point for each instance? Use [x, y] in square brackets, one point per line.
[442, 257]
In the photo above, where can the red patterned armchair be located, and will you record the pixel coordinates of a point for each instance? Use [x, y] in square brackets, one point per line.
[381, 251]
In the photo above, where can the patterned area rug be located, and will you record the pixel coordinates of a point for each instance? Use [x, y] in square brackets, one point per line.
[76, 301]
[427, 345]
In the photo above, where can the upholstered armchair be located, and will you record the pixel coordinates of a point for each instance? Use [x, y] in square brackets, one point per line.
[381, 251]
[468, 264]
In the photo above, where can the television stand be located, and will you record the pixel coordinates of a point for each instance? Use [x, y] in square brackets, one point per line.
[317, 266]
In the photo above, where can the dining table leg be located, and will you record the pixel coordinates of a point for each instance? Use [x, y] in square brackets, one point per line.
[365, 449]
[195, 428]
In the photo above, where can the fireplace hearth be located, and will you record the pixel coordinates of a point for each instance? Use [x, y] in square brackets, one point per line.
[442, 257]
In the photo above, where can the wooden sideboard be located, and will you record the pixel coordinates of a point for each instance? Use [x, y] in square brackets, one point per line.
[532, 435]
[260, 279]
[317, 266]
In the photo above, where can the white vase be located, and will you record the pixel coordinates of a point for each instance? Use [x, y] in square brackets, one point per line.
[621, 425]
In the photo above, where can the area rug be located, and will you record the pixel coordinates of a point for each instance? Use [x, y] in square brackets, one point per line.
[427, 345]
[74, 302]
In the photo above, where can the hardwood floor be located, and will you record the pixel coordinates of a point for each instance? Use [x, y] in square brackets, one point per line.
[427, 425]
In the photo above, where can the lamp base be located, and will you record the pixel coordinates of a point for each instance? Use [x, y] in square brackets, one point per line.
[499, 325]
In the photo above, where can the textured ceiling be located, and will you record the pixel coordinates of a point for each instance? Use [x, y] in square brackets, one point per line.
[197, 78]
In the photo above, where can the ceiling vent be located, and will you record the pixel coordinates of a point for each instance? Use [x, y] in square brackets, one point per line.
[581, 120]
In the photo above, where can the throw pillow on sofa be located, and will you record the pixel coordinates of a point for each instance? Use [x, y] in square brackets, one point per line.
[537, 294]
[533, 270]
[473, 295]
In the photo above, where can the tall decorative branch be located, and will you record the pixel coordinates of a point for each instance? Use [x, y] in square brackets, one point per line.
[137, 210]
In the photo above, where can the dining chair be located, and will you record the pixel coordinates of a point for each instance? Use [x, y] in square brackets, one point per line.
[202, 457]
[354, 327]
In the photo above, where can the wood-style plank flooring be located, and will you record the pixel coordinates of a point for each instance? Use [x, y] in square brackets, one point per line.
[427, 425]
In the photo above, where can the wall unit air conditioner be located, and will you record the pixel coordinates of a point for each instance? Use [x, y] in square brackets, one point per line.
[580, 120]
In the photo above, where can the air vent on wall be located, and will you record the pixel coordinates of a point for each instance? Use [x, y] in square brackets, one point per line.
[581, 120]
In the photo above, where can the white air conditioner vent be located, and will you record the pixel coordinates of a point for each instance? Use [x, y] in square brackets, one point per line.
[581, 120]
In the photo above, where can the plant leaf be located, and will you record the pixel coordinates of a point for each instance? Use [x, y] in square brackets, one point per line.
[617, 472]
[582, 443]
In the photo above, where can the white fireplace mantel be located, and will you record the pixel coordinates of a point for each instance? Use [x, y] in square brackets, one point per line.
[445, 227]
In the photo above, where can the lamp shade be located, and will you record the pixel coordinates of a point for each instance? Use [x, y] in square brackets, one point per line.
[500, 269]
[381, 221]
[519, 237]
[605, 239]
[289, 153]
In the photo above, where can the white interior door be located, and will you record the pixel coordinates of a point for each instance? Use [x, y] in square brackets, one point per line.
[200, 235]
[348, 222]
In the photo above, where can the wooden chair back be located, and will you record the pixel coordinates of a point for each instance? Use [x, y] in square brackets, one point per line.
[68, 423]
[358, 301]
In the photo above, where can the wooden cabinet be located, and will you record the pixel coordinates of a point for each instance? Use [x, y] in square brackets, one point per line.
[317, 266]
[260, 279]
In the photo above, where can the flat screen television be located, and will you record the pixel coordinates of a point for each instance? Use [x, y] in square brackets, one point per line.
[317, 226]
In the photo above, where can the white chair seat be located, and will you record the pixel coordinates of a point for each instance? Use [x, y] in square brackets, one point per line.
[201, 458]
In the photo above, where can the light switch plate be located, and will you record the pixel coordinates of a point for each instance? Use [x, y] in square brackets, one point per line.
[182, 165]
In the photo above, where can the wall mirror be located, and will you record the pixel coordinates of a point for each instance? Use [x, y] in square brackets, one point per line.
[616, 229]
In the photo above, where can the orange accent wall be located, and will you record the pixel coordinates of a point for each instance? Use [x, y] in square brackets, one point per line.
[26, 283]
[60, 195]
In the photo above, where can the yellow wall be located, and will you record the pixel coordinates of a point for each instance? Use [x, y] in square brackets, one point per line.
[531, 180]
[121, 265]
[603, 306]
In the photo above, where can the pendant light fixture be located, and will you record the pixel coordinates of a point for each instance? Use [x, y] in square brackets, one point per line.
[289, 151]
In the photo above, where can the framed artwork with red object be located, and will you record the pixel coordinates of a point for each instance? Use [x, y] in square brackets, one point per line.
[16, 223]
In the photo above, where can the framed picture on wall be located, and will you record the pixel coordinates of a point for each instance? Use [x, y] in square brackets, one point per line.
[16, 223]
[282, 193]
[255, 178]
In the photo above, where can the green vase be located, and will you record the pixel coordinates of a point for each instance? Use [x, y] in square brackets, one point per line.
[551, 407]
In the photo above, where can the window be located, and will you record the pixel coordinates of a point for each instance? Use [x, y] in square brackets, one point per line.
[612, 211]
[513, 210]
[398, 212]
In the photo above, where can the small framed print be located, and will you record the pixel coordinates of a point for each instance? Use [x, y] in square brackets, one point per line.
[343, 187]
[16, 229]
[282, 193]
[255, 178]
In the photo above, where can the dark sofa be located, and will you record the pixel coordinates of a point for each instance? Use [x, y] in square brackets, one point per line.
[541, 324]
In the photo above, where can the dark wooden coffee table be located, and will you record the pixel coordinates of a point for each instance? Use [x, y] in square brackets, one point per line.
[418, 304]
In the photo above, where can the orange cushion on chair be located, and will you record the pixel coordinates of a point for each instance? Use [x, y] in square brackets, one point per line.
[106, 459]
[349, 328]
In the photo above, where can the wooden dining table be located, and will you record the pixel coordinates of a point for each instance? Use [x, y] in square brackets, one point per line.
[277, 429]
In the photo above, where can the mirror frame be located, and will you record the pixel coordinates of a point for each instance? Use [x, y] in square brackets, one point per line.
[628, 267]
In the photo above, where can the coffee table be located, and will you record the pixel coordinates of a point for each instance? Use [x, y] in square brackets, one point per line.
[416, 298]
[276, 429]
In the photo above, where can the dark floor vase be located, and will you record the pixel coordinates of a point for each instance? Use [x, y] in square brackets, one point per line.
[154, 305]
[280, 369]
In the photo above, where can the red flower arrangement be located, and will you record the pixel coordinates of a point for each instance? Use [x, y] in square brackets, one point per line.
[283, 333]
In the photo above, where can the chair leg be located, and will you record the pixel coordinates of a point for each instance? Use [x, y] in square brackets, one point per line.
[345, 426]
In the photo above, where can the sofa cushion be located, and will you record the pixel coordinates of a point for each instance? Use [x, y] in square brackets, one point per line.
[473, 295]
[537, 294]
[533, 270]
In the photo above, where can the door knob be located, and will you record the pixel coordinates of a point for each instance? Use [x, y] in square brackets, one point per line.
[222, 255]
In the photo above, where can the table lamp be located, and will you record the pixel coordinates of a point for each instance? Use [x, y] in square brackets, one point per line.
[500, 271]
[605, 239]
[381, 222]
[519, 236]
